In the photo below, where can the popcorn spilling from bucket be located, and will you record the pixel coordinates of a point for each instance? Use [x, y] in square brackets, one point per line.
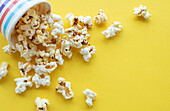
[47, 48]
[43, 42]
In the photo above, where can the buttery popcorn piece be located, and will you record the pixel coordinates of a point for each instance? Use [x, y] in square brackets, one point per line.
[57, 18]
[44, 69]
[66, 48]
[58, 57]
[24, 68]
[101, 17]
[3, 70]
[87, 52]
[58, 29]
[142, 11]
[22, 84]
[112, 30]
[8, 49]
[64, 88]
[90, 96]
[35, 24]
[87, 22]
[41, 104]
[41, 80]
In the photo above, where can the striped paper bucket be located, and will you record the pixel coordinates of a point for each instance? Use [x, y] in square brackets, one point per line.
[12, 10]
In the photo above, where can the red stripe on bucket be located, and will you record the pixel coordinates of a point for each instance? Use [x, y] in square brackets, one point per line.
[6, 12]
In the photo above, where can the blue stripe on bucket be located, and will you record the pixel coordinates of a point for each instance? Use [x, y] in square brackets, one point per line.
[3, 5]
[12, 14]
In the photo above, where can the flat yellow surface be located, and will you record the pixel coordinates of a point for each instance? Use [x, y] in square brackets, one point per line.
[130, 72]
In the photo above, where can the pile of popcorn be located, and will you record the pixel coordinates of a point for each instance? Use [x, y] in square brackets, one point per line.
[42, 41]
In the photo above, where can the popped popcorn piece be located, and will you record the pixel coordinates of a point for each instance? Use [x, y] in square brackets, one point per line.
[19, 47]
[25, 27]
[44, 69]
[47, 19]
[3, 70]
[26, 19]
[87, 22]
[87, 52]
[51, 50]
[112, 30]
[42, 60]
[90, 96]
[35, 24]
[66, 48]
[42, 54]
[8, 49]
[80, 36]
[24, 68]
[41, 104]
[79, 22]
[77, 41]
[64, 88]
[29, 52]
[58, 29]
[32, 13]
[101, 17]
[41, 80]
[29, 32]
[58, 57]
[142, 11]
[21, 38]
[22, 84]
[73, 31]
[57, 18]
[74, 20]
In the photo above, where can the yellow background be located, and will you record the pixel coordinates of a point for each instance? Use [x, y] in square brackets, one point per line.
[129, 72]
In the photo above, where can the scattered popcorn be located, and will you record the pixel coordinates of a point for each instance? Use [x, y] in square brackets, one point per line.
[64, 88]
[87, 52]
[101, 17]
[44, 69]
[142, 11]
[22, 84]
[112, 30]
[3, 70]
[66, 48]
[24, 68]
[41, 104]
[42, 41]
[90, 96]
[8, 49]
[38, 80]
[58, 57]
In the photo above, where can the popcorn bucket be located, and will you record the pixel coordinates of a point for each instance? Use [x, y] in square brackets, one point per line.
[12, 10]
